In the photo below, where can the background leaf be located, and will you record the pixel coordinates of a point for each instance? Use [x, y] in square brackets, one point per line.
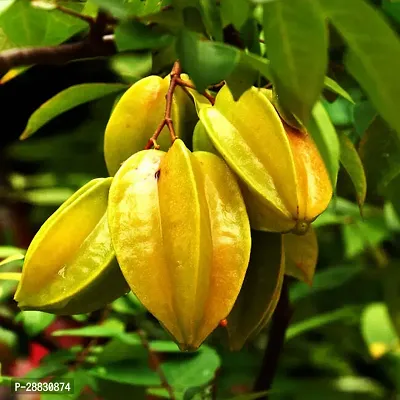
[373, 60]
[296, 40]
[325, 137]
[66, 100]
[353, 165]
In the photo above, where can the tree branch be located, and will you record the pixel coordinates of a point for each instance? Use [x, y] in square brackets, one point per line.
[276, 340]
[55, 55]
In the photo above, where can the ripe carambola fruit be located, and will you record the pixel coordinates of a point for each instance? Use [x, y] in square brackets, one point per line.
[260, 291]
[70, 266]
[182, 238]
[137, 114]
[285, 182]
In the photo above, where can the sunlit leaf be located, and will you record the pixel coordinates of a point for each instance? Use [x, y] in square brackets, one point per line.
[377, 329]
[66, 100]
[325, 137]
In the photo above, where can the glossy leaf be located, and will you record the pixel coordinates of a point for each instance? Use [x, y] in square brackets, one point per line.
[296, 39]
[196, 370]
[330, 278]
[25, 25]
[106, 330]
[301, 254]
[346, 313]
[334, 87]
[260, 290]
[373, 60]
[133, 35]
[66, 100]
[205, 62]
[10, 276]
[131, 67]
[325, 137]
[126, 372]
[352, 163]
[11, 258]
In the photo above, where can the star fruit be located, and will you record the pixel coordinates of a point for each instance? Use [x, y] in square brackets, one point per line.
[283, 178]
[182, 238]
[70, 266]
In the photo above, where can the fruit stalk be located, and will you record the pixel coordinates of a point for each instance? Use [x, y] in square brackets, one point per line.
[276, 340]
[167, 120]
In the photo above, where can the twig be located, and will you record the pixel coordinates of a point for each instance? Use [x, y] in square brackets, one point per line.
[54, 55]
[189, 85]
[75, 14]
[96, 45]
[167, 120]
[17, 328]
[155, 362]
[276, 340]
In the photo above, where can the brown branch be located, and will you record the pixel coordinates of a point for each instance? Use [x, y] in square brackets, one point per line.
[11, 325]
[155, 362]
[75, 14]
[189, 85]
[276, 340]
[167, 120]
[55, 55]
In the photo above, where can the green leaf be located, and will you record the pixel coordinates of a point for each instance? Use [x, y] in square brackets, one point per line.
[105, 330]
[46, 370]
[364, 115]
[392, 8]
[235, 12]
[211, 17]
[377, 329]
[260, 291]
[205, 62]
[327, 279]
[118, 8]
[10, 276]
[196, 370]
[334, 87]
[128, 373]
[352, 163]
[34, 322]
[364, 234]
[296, 40]
[66, 100]
[346, 313]
[380, 154]
[251, 396]
[25, 25]
[131, 67]
[373, 59]
[325, 137]
[132, 35]
[12, 258]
